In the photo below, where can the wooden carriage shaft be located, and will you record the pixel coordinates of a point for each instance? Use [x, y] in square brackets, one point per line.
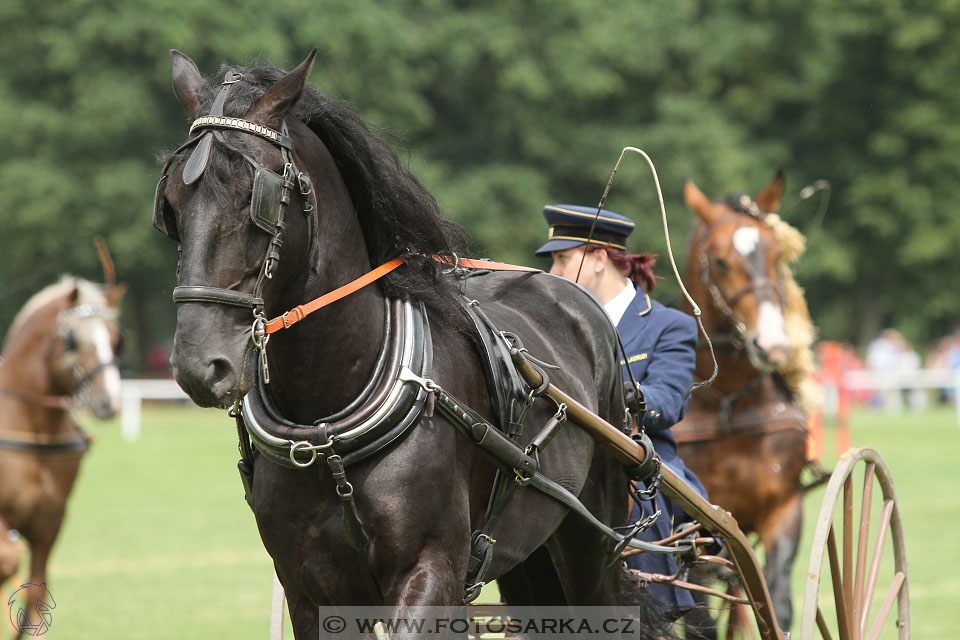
[718, 521]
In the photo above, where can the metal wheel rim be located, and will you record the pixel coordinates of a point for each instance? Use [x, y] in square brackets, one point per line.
[848, 555]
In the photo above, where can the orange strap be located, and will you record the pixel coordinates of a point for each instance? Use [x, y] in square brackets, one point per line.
[300, 312]
[483, 264]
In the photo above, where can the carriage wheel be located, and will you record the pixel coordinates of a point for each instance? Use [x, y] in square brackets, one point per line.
[866, 579]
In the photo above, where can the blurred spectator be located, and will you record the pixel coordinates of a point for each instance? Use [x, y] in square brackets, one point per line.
[890, 354]
[883, 355]
[909, 362]
[945, 355]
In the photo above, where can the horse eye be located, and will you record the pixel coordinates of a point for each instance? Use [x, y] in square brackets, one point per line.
[721, 265]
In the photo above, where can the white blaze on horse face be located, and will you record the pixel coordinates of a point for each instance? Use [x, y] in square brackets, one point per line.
[745, 240]
[100, 336]
[771, 332]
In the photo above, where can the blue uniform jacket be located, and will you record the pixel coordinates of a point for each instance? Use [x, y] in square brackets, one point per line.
[660, 345]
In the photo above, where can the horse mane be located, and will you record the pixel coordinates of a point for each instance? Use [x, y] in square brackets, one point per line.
[397, 214]
[88, 294]
[798, 371]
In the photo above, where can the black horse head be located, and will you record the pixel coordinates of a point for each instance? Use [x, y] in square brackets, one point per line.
[264, 127]
[233, 203]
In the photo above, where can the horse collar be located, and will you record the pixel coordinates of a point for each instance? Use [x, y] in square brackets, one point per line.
[391, 402]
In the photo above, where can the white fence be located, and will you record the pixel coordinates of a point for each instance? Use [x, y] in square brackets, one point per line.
[893, 385]
[134, 392]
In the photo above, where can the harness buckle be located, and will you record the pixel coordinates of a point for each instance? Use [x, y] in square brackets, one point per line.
[298, 313]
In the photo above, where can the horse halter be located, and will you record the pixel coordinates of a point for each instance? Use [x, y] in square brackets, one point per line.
[82, 377]
[741, 205]
[268, 203]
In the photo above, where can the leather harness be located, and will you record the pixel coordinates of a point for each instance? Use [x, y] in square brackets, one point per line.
[397, 394]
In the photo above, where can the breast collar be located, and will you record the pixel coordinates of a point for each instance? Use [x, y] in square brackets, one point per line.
[389, 403]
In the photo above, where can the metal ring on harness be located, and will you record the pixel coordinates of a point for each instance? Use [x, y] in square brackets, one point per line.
[306, 447]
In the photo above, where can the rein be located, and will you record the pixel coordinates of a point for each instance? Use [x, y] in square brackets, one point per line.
[302, 311]
[78, 443]
[63, 403]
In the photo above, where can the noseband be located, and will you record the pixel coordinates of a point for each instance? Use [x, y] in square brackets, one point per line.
[268, 203]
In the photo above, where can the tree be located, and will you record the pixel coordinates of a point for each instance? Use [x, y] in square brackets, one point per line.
[501, 108]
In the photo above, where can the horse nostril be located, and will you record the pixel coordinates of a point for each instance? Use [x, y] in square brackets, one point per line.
[221, 370]
[775, 355]
[210, 379]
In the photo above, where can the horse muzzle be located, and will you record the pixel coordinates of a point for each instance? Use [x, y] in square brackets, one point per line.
[214, 371]
[768, 354]
[211, 380]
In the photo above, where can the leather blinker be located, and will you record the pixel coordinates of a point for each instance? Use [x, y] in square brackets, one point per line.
[164, 219]
[270, 190]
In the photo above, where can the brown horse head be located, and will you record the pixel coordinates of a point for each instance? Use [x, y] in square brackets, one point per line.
[734, 271]
[238, 252]
[64, 342]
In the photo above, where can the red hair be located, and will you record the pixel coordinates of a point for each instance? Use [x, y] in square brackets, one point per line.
[636, 266]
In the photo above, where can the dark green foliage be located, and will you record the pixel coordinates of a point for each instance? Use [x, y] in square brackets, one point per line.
[500, 108]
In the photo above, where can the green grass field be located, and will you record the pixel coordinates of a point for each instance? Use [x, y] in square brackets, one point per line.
[158, 542]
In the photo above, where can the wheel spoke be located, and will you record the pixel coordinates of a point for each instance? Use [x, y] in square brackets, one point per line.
[875, 562]
[848, 542]
[884, 611]
[822, 625]
[843, 625]
[865, 511]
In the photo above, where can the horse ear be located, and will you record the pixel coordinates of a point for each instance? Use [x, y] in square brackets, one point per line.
[73, 296]
[769, 198]
[701, 204]
[187, 82]
[271, 107]
[115, 294]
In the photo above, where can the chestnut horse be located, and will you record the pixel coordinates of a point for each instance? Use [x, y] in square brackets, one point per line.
[59, 354]
[282, 194]
[745, 436]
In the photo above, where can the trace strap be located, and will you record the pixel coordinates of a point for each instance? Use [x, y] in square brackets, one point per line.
[298, 313]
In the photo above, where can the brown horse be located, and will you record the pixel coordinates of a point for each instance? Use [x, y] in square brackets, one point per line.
[745, 436]
[59, 354]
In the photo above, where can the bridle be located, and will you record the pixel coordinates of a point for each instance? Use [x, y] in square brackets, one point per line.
[82, 377]
[738, 330]
[268, 203]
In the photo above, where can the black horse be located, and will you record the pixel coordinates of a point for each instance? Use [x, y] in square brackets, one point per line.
[412, 497]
